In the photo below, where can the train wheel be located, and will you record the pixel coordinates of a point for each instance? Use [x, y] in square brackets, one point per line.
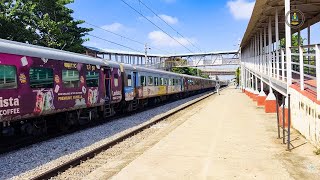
[65, 121]
[35, 128]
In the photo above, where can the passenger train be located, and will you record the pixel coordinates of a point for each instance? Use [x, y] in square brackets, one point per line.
[39, 84]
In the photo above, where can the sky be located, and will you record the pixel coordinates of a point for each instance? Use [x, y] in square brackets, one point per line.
[206, 25]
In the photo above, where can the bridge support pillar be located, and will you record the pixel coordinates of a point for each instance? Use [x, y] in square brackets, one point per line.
[262, 96]
[255, 95]
[247, 92]
[270, 105]
[256, 92]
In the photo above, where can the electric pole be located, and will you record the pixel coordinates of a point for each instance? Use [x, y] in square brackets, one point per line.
[146, 53]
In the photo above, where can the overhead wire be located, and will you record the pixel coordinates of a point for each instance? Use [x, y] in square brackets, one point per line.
[124, 37]
[114, 43]
[140, 1]
[156, 25]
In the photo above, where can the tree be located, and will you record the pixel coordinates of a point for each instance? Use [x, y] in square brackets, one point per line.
[294, 41]
[237, 75]
[189, 71]
[14, 21]
[310, 60]
[42, 22]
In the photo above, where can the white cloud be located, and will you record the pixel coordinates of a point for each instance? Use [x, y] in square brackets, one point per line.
[160, 39]
[241, 9]
[169, 19]
[114, 27]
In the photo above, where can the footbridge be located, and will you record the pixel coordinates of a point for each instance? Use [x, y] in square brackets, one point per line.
[276, 64]
[166, 62]
[213, 72]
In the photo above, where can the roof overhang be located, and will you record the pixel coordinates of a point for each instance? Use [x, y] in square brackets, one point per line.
[263, 9]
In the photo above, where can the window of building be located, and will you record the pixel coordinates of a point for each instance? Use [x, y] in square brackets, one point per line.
[116, 80]
[70, 78]
[92, 79]
[41, 77]
[129, 80]
[8, 77]
[156, 81]
[143, 80]
[150, 80]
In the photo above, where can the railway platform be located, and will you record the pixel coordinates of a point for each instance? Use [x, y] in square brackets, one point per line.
[227, 138]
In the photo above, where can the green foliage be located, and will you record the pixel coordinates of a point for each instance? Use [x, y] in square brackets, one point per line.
[294, 41]
[189, 71]
[42, 22]
[237, 73]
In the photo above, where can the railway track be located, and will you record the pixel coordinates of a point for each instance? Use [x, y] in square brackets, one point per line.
[94, 152]
[14, 143]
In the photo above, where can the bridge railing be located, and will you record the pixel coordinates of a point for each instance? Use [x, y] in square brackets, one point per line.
[306, 67]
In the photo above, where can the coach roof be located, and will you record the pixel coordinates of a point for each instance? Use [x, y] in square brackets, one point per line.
[151, 70]
[12, 47]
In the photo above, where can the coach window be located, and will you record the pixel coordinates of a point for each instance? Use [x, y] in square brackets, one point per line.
[161, 82]
[129, 80]
[156, 81]
[41, 77]
[92, 79]
[70, 78]
[170, 82]
[166, 81]
[116, 80]
[143, 80]
[150, 80]
[8, 77]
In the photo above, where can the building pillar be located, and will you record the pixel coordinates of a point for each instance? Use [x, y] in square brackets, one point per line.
[256, 92]
[246, 85]
[265, 50]
[262, 95]
[251, 86]
[269, 48]
[249, 91]
[288, 43]
[270, 105]
[277, 44]
[261, 52]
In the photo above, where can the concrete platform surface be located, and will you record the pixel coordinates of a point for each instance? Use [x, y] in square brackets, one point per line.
[230, 138]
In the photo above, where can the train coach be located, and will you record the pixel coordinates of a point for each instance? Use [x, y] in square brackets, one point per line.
[41, 86]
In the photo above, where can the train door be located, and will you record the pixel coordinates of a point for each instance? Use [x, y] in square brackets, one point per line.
[108, 84]
[182, 84]
[135, 76]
